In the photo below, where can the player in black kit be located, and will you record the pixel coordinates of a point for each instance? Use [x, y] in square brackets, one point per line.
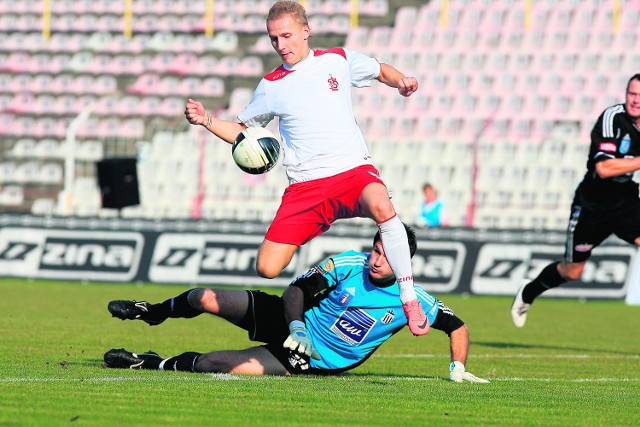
[606, 201]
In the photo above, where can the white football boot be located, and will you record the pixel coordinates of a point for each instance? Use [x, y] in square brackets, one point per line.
[519, 308]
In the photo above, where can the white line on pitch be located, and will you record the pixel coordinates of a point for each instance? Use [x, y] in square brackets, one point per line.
[512, 356]
[231, 377]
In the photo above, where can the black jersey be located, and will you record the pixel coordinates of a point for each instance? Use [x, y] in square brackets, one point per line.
[614, 136]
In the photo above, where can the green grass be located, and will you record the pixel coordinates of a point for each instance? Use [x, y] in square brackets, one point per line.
[574, 363]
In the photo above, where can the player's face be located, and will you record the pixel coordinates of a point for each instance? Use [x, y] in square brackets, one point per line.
[289, 39]
[633, 99]
[379, 268]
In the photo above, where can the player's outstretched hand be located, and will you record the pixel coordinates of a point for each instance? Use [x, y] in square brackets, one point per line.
[195, 112]
[407, 86]
[459, 374]
[299, 341]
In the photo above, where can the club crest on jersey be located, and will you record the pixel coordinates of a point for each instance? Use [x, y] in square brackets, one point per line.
[333, 83]
[388, 317]
[328, 266]
[344, 297]
[625, 144]
[353, 325]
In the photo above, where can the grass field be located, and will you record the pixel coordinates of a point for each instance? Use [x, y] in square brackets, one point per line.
[575, 363]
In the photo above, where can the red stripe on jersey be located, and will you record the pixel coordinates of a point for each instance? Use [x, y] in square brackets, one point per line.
[278, 73]
[337, 50]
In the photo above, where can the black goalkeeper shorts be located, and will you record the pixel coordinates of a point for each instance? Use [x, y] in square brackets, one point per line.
[266, 323]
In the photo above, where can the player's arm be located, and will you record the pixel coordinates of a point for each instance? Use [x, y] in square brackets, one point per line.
[223, 129]
[394, 78]
[296, 298]
[447, 322]
[299, 294]
[616, 167]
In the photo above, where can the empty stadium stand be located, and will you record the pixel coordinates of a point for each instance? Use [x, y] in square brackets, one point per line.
[508, 95]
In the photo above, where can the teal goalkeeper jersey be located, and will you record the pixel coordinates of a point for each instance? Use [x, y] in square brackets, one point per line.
[353, 317]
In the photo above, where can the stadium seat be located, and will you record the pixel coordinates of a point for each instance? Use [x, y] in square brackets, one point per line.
[145, 84]
[223, 42]
[48, 148]
[51, 173]
[43, 207]
[12, 195]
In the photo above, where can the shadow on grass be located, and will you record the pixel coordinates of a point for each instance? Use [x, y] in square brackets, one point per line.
[512, 345]
[389, 375]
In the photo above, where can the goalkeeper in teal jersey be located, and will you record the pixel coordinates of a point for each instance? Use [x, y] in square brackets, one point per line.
[329, 320]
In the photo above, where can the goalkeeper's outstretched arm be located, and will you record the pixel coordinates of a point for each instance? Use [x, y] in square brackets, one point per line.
[459, 342]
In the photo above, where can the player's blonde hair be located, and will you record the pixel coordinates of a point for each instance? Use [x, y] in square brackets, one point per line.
[288, 7]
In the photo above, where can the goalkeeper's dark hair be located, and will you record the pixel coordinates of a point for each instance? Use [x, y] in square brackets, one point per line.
[411, 236]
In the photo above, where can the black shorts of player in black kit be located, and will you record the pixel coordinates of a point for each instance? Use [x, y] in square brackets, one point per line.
[588, 228]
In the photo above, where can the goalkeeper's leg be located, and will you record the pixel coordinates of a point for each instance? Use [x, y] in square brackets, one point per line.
[230, 305]
[254, 361]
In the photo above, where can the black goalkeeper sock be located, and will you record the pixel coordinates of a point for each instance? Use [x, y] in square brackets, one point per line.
[547, 279]
[178, 307]
[182, 362]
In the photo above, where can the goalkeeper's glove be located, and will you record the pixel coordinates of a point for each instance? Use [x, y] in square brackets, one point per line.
[299, 341]
[458, 374]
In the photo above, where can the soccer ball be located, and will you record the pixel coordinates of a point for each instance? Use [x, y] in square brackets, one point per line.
[256, 150]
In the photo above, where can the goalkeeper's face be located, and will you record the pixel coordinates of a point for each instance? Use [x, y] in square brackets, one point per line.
[289, 38]
[379, 268]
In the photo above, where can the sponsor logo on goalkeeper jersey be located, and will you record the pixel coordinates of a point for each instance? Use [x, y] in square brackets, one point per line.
[353, 325]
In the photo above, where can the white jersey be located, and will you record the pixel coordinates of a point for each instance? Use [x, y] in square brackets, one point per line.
[320, 136]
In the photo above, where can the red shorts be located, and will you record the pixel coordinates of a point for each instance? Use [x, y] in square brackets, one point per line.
[309, 208]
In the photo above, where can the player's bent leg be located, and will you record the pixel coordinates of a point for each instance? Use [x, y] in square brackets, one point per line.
[227, 304]
[375, 203]
[253, 361]
[273, 258]
[571, 270]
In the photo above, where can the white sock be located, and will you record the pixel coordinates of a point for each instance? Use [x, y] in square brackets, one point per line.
[396, 248]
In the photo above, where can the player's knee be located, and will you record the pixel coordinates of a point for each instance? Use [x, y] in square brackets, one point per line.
[571, 271]
[267, 270]
[381, 210]
[196, 297]
[210, 363]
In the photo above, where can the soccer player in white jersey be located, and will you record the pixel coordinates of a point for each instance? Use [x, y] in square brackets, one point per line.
[329, 320]
[330, 172]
